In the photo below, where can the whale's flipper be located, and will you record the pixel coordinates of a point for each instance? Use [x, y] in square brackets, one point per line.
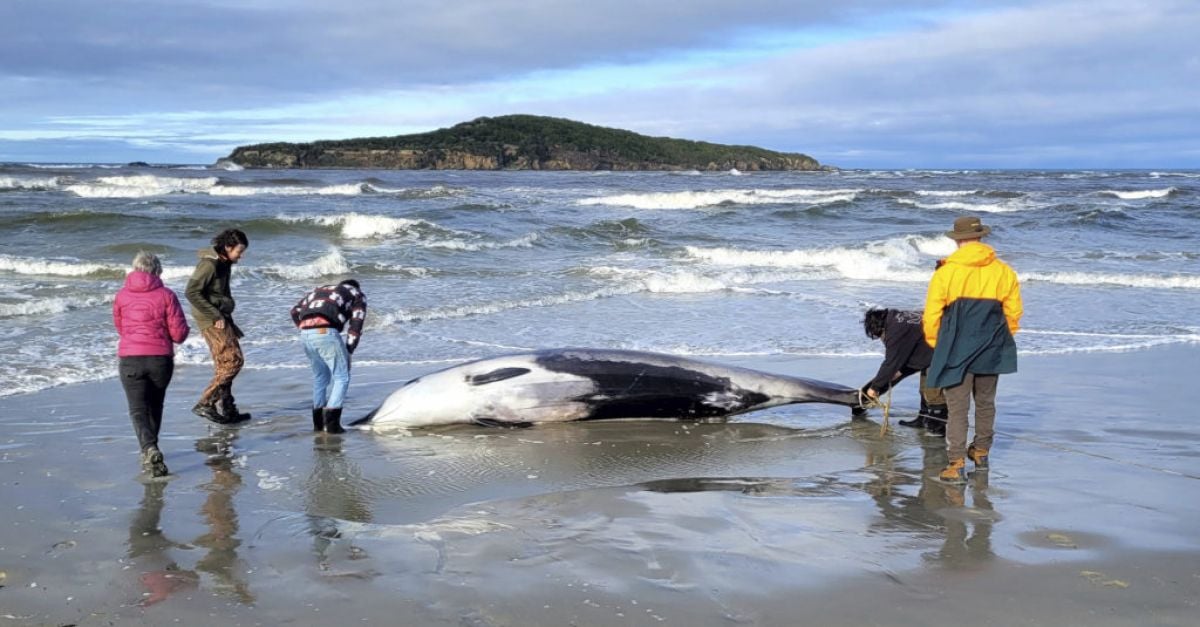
[500, 374]
[365, 419]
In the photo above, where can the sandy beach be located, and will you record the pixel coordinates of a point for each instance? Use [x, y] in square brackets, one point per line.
[791, 516]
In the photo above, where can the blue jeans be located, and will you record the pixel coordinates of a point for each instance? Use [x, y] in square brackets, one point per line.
[330, 365]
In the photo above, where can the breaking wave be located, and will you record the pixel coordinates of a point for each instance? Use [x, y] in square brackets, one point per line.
[1001, 207]
[56, 267]
[1180, 281]
[48, 306]
[330, 264]
[1138, 194]
[716, 198]
[361, 226]
[149, 185]
[897, 259]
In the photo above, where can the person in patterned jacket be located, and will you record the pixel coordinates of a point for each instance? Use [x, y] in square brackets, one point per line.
[322, 316]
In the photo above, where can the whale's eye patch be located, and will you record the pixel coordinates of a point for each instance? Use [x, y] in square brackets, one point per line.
[499, 374]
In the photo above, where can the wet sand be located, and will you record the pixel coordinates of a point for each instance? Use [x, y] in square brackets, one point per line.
[786, 517]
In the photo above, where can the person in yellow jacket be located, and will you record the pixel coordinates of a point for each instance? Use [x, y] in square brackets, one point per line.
[972, 310]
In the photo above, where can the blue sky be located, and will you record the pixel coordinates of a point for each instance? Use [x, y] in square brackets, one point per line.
[871, 83]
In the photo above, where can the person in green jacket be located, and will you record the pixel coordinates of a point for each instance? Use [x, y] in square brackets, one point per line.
[212, 308]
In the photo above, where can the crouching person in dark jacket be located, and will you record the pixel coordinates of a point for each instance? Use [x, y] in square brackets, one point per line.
[905, 352]
[322, 316]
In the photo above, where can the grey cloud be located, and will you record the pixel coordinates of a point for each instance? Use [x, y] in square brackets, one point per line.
[1091, 84]
[172, 52]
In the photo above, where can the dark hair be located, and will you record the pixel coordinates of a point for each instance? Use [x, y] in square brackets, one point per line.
[229, 238]
[351, 283]
[874, 322]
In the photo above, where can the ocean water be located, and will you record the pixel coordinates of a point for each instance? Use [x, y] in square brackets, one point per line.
[461, 265]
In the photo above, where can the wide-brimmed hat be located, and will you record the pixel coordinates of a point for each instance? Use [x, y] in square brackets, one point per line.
[968, 227]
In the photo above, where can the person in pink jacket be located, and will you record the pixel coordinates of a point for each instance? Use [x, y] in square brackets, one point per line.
[150, 322]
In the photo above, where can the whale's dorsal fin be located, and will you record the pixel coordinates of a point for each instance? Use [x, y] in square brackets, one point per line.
[500, 374]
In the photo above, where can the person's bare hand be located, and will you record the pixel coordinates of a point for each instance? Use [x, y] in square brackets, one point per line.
[220, 324]
[872, 393]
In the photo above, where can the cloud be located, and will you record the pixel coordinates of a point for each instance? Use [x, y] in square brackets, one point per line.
[222, 52]
[857, 83]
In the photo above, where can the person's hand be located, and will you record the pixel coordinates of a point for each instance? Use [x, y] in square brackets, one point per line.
[220, 324]
[872, 393]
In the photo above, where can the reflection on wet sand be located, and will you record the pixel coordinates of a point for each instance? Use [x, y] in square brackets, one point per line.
[219, 513]
[969, 537]
[937, 507]
[334, 492]
[150, 547]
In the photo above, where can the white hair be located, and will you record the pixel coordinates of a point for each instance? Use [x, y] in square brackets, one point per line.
[147, 262]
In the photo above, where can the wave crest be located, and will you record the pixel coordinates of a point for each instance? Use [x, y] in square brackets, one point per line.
[1138, 194]
[330, 264]
[715, 198]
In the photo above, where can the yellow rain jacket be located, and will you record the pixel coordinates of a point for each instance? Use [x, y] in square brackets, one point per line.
[972, 310]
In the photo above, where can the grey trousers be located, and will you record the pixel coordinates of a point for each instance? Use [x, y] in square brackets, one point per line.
[981, 387]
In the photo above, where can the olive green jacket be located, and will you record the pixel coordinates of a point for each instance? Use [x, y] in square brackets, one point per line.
[208, 291]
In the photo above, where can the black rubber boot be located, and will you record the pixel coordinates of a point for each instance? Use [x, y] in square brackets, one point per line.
[333, 420]
[935, 420]
[230, 411]
[318, 418]
[152, 462]
[919, 421]
[209, 413]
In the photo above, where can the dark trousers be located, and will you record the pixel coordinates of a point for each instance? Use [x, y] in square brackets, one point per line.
[145, 380]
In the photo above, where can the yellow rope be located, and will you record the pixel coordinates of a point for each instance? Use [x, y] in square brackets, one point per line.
[887, 409]
[867, 402]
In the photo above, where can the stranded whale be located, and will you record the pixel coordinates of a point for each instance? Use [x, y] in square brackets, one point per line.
[590, 384]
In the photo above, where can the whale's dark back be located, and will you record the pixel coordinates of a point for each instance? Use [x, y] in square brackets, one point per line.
[628, 388]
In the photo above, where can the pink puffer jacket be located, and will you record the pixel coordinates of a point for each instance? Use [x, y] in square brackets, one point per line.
[148, 317]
